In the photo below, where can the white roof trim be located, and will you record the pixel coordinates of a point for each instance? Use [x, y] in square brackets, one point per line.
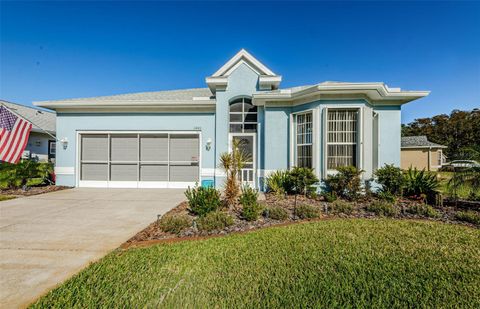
[375, 92]
[243, 57]
[197, 102]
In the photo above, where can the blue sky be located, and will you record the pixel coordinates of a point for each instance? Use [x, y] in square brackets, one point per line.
[57, 50]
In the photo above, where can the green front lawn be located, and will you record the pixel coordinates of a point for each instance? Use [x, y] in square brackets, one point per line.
[331, 263]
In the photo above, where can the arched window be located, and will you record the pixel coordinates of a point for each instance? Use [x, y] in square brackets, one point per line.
[243, 116]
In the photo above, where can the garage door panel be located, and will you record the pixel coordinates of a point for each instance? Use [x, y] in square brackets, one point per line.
[154, 147]
[149, 172]
[94, 147]
[94, 171]
[124, 148]
[187, 173]
[123, 172]
[183, 147]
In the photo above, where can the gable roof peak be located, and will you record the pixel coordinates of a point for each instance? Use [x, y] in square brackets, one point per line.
[243, 56]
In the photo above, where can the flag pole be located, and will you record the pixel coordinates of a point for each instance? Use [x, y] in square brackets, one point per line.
[46, 132]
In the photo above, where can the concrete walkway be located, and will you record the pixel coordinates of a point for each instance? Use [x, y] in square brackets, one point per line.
[47, 238]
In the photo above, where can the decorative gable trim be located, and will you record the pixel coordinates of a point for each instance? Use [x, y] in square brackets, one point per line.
[267, 79]
[243, 57]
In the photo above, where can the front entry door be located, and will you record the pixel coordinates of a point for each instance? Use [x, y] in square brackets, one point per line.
[248, 145]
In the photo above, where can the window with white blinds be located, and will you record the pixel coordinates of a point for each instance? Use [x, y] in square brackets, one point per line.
[304, 140]
[342, 129]
[140, 157]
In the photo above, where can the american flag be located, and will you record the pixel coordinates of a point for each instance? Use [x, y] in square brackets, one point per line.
[14, 132]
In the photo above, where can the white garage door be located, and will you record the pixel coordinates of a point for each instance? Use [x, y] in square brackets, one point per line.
[139, 160]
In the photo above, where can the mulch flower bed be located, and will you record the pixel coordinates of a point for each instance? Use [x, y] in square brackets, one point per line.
[153, 233]
[32, 190]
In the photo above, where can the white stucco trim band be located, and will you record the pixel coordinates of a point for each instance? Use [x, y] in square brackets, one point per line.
[64, 170]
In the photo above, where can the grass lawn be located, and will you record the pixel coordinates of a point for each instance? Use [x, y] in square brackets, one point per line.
[6, 197]
[463, 192]
[339, 263]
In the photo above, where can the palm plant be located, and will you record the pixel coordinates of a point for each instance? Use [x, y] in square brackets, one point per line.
[232, 163]
[467, 179]
[420, 183]
[279, 183]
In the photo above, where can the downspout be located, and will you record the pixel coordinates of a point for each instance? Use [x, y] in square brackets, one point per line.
[429, 158]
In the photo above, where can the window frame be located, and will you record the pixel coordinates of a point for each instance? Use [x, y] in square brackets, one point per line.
[312, 143]
[243, 115]
[359, 136]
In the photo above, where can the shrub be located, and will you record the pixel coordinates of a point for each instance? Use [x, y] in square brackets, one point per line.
[391, 179]
[423, 210]
[279, 183]
[307, 212]
[203, 200]
[420, 182]
[276, 213]
[25, 173]
[340, 206]
[382, 208]
[251, 209]
[215, 220]
[468, 216]
[174, 224]
[346, 183]
[302, 180]
[387, 196]
[330, 196]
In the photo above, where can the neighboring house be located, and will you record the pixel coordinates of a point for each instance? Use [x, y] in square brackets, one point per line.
[41, 146]
[419, 152]
[175, 138]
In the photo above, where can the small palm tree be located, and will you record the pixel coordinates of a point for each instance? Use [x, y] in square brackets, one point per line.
[465, 178]
[232, 163]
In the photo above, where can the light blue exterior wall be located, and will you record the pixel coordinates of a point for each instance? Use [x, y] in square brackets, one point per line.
[277, 137]
[69, 124]
[389, 135]
[242, 82]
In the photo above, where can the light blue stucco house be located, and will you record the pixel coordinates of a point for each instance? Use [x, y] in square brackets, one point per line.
[171, 139]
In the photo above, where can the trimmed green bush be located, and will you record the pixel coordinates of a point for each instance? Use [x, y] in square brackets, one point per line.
[469, 216]
[202, 200]
[25, 173]
[387, 196]
[345, 183]
[382, 208]
[276, 213]
[302, 180]
[340, 206]
[279, 183]
[174, 224]
[215, 220]
[251, 210]
[391, 179]
[423, 210]
[307, 212]
[330, 196]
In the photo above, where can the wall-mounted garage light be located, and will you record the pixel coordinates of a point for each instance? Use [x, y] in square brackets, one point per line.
[209, 144]
[64, 142]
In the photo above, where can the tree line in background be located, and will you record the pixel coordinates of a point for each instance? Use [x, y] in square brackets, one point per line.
[459, 131]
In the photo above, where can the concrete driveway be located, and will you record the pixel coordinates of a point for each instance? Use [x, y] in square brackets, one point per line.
[47, 238]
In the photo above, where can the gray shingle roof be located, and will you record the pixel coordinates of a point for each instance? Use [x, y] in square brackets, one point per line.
[418, 141]
[167, 95]
[39, 118]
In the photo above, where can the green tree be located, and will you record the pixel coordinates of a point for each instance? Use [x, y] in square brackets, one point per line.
[459, 131]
